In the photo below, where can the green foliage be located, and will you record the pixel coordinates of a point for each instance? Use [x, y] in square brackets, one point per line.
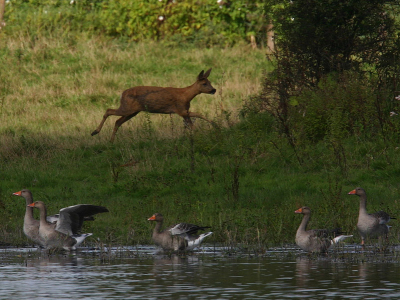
[206, 22]
[245, 179]
[56, 91]
[330, 36]
[340, 107]
[336, 74]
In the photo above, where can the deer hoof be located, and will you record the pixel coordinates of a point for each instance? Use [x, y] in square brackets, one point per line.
[94, 132]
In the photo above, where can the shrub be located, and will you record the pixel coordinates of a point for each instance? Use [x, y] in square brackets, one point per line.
[227, 21]
[335, 70]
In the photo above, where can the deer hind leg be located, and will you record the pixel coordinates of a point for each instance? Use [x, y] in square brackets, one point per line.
[119, 122]
[109, 112]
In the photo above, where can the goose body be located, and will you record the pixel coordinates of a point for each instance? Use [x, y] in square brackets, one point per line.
[66, 232]
[315, 240]
[370, 225]
[179, 237]
[31, 225]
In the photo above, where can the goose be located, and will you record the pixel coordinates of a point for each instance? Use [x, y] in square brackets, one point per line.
[65, 235]
[31, 225]
[178, 237]
[315, 240]
[370, 225]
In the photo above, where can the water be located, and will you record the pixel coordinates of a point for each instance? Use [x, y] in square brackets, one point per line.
[212, 273]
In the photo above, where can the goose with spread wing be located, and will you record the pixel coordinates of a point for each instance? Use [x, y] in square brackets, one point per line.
[178, 237]
[31, 225]
[315, 240]
[66, 232]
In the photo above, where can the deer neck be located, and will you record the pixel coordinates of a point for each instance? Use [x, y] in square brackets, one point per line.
[190, 92]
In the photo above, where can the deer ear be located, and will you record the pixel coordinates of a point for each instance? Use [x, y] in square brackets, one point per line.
[201, 75]
[206, 74]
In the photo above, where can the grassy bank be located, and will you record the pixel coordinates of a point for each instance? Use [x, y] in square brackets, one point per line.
[240, 178]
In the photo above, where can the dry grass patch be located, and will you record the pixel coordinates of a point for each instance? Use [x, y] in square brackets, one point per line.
[61, 88]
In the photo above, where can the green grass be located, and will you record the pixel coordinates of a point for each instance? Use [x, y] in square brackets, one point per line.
[240, 178]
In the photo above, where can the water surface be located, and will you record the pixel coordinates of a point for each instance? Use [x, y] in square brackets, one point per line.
[212, 273]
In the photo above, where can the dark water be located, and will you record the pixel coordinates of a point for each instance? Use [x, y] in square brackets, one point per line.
[138, 273]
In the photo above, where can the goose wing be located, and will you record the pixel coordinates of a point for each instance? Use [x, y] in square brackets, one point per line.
[71, 218]
[53, 218]
[186, 230]
[382, 217]
[326, 233]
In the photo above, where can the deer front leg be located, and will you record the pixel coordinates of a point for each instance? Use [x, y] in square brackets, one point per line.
[187, 122]
[108, 113]
[186, 118]
[196, 115]
[187, 115]
[119, 122]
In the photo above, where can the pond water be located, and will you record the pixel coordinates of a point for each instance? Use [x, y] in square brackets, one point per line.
[210, 273]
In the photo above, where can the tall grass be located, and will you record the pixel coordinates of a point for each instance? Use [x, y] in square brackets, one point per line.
[55, 92]
[62, 86]
[241, 178]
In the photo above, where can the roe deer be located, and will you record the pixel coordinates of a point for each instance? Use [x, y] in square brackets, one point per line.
[162, 100]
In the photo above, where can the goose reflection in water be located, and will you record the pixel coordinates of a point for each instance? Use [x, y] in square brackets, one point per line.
[54, 263]
[303, 267]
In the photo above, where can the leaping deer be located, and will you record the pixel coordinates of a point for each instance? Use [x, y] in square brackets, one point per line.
[162, 100]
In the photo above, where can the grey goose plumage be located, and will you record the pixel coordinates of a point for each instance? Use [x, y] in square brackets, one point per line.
[178, 237]
[66, 232]
[31, 225]
[315, 240]
[370, 225]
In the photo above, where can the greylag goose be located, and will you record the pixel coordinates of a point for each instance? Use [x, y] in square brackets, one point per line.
[315, 240]
[31, 225]
[65, 235]
[370, 225]
[182, 236]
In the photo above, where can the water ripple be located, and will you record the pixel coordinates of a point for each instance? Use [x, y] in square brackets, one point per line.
[141, 273]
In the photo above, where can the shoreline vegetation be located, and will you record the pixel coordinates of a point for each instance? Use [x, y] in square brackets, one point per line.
[55, 94]
[241, 178]
[294, 129]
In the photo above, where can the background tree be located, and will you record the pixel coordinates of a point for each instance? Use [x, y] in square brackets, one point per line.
[337, 70]
[335, 35]
[2, 8]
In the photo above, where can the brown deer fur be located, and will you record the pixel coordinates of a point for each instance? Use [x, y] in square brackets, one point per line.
[162, 100]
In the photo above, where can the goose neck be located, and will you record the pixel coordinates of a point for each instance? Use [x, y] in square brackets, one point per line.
[304, 222]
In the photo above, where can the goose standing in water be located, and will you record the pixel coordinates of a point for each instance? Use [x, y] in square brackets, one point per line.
[65, 234]
[370, 225]
[31, 225]
[314, 240]
[179, 237]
